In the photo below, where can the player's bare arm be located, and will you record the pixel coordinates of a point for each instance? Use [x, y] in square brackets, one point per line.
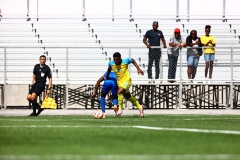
[96, 87]
[49, 86]
[138, 69]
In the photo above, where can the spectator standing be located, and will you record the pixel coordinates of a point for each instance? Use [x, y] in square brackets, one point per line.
[209, 43]
[193, 53]
[152, 39]
[175, 45]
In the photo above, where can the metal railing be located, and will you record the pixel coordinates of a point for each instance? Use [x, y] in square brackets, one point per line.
[68, 68]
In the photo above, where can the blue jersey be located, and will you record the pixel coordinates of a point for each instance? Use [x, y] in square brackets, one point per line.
[112, 76]
[110, 84]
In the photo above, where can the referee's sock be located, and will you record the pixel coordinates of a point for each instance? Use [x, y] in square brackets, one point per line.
[34, 106]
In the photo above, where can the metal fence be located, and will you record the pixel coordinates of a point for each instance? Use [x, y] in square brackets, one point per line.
[84, 65]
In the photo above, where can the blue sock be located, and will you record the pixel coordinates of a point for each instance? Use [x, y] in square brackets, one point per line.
[115, 102]
[102, 104]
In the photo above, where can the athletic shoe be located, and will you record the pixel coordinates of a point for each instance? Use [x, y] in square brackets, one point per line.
[142, 111]
[33, 114]
[39, 111]
[103, 116]
[115, 108]
[119, 112]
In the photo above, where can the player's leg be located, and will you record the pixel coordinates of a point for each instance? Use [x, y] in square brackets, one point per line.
[107, 85]
[120, 100]
[103, 103]
[131, 98]
[115, 98]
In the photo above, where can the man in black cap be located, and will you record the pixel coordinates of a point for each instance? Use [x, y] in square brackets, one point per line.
[152, 39]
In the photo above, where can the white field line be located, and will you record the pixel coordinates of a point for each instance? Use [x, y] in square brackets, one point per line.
[117, 119]
[123, 157]
[64, 126]
[140, 127]
[189, 130]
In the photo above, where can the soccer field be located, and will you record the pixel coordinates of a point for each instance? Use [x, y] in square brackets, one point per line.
[165, 137]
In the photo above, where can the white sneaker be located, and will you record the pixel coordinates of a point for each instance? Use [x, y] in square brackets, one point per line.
[119, 113]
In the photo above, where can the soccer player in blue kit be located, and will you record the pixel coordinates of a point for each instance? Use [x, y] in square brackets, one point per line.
[109, 84]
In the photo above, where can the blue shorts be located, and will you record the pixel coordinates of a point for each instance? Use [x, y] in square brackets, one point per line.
[209, 57]
[192, 61]
[110, 85]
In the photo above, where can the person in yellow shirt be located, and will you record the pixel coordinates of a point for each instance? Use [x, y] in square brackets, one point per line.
[120, 67]
[209, 52]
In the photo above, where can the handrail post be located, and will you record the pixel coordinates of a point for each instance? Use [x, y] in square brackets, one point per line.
[66, 106]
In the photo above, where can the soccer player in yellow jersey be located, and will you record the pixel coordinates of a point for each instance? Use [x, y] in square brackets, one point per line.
[209, 53]
[120, 67]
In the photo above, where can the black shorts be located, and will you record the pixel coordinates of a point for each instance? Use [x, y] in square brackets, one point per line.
[37, 88]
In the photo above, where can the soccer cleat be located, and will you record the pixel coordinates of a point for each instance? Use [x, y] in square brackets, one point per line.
[39, 111]
[33, 114]
[115, 108]
[142, 111]
[119, 113]
[103, 116]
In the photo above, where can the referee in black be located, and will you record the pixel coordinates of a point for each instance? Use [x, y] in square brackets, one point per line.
[151, 39]
[40, 73]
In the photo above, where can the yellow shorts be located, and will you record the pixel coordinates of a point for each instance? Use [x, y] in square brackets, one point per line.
[125, 85]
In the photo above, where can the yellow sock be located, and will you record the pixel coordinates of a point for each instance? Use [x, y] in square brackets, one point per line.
[120, 101]
[135, 102]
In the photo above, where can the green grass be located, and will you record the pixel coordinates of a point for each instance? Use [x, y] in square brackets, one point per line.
[83, 137]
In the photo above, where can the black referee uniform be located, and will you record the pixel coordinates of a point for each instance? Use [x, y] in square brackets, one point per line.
[41, 73]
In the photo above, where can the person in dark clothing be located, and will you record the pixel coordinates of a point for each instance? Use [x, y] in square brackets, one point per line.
[152, 39]
[193, 53]
[40, 73]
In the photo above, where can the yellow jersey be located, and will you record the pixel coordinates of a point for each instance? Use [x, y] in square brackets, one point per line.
[121, 70]
[205, 40]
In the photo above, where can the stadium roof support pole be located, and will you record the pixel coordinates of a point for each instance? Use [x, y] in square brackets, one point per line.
[131, 19]
[28, 19]
[27, 8]
[188, 10]
[5, 79]
[232, 86]
[66, 102]
[177, 11]
[112, 10]
[83, 8]
[224, 9]
[37, 9]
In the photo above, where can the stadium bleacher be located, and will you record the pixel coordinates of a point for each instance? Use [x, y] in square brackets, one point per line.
[92, 43]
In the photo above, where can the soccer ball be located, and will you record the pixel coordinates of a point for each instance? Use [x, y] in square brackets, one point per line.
[98, 114]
